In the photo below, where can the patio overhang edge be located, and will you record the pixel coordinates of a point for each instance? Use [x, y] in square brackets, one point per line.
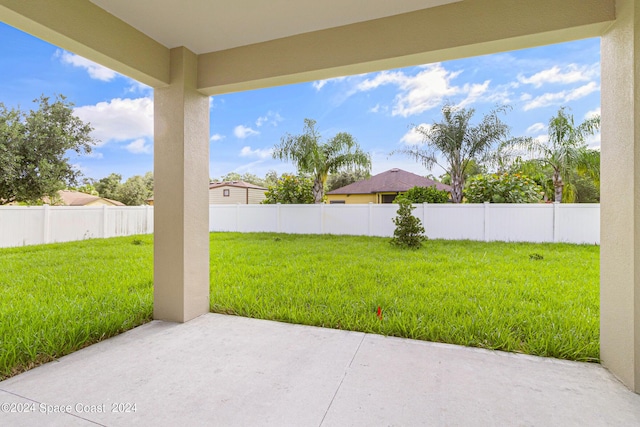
[89, 31]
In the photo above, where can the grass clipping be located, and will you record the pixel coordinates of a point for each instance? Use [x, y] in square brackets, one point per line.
[409, 232]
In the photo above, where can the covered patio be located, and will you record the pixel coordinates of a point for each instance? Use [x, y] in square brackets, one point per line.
[233, 371]
[188, 51]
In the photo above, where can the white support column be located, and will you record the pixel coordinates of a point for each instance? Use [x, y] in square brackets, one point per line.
[620, 203]
[181, 205]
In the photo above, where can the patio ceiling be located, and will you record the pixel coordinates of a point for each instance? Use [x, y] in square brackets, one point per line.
[207, 26]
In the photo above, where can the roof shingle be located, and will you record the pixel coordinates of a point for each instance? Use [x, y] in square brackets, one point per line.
[394, 180]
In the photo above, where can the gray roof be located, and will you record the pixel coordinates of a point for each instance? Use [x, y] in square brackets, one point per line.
[239, 184]
[394, 180]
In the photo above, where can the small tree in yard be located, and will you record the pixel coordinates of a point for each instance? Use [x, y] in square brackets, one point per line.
[409, 232]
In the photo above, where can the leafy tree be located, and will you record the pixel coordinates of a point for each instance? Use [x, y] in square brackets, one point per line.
[473, 168]
[459, 142]
[423, 195]
[148, 182]
[566, 149]
[271, 178]
[341, 179]
[134, 191]
[246, 177]
[109, 186]
[503, 188]
[290, 189]
[318, 159]
[33, 148]
[409, 232]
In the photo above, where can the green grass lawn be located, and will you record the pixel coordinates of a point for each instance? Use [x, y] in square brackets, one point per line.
[55, 299]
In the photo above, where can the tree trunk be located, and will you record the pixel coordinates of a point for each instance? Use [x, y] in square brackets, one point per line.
[456, 188]
[558, 185]
[318, 193]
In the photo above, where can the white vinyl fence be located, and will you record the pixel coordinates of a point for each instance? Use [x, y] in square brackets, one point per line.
[572, 223]
[34, 225]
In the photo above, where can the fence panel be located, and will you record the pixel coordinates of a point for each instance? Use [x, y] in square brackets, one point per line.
[21, 225]
[382, 220]
[253, 218]
[32, 225]
[346, 219]
[70, 223]
[454, 222]
[125, 221]
[579, 223]
[301, 219]
[519, 223]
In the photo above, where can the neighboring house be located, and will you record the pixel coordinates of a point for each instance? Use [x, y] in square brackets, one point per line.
[234, 192]
[76, 198]
[382, 188]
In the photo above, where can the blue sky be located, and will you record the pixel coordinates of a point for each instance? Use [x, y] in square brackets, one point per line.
[378, 109]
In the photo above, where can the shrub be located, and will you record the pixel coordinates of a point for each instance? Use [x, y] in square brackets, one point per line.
[424, 195]
[290, 189]
[409, 232]
[503, 188]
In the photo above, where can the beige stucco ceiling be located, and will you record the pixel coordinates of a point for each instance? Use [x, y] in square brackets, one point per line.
[212, 25]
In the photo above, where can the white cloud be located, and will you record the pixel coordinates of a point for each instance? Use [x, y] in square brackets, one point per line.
[319, 84]
[96, 71]
[525, 96]
[262, 153]
[140, 88]
[217, 137]
[271, 118]
[562, 97]
[119, 119]
[536, 128]
[542, 139]
[139, 146]
[592, 113]
[94, 155]
[474, 93]
[418, 93]
[243, 132]
[413, 137]
[594, 141]
[571, 73]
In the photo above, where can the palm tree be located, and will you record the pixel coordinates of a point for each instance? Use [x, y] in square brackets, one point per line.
[310, 156]
[454, 143]
[567, 150]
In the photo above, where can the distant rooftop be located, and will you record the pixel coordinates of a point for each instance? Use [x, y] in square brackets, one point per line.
[393, 180]
[239, 184]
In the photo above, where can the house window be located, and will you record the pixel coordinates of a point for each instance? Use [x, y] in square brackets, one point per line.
[336, 202]
[225, 193]
[388, 198]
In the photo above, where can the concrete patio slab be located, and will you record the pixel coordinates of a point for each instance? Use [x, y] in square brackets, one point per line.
[227, 370]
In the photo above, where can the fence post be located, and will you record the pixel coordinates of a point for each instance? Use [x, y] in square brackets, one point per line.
[46, 227]
[237, 217]
[104, 221]
[484, 227]
[278, 217]
[424, 217]
[370, 227]
[322, 218]
[556, 221]
[150, 219]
